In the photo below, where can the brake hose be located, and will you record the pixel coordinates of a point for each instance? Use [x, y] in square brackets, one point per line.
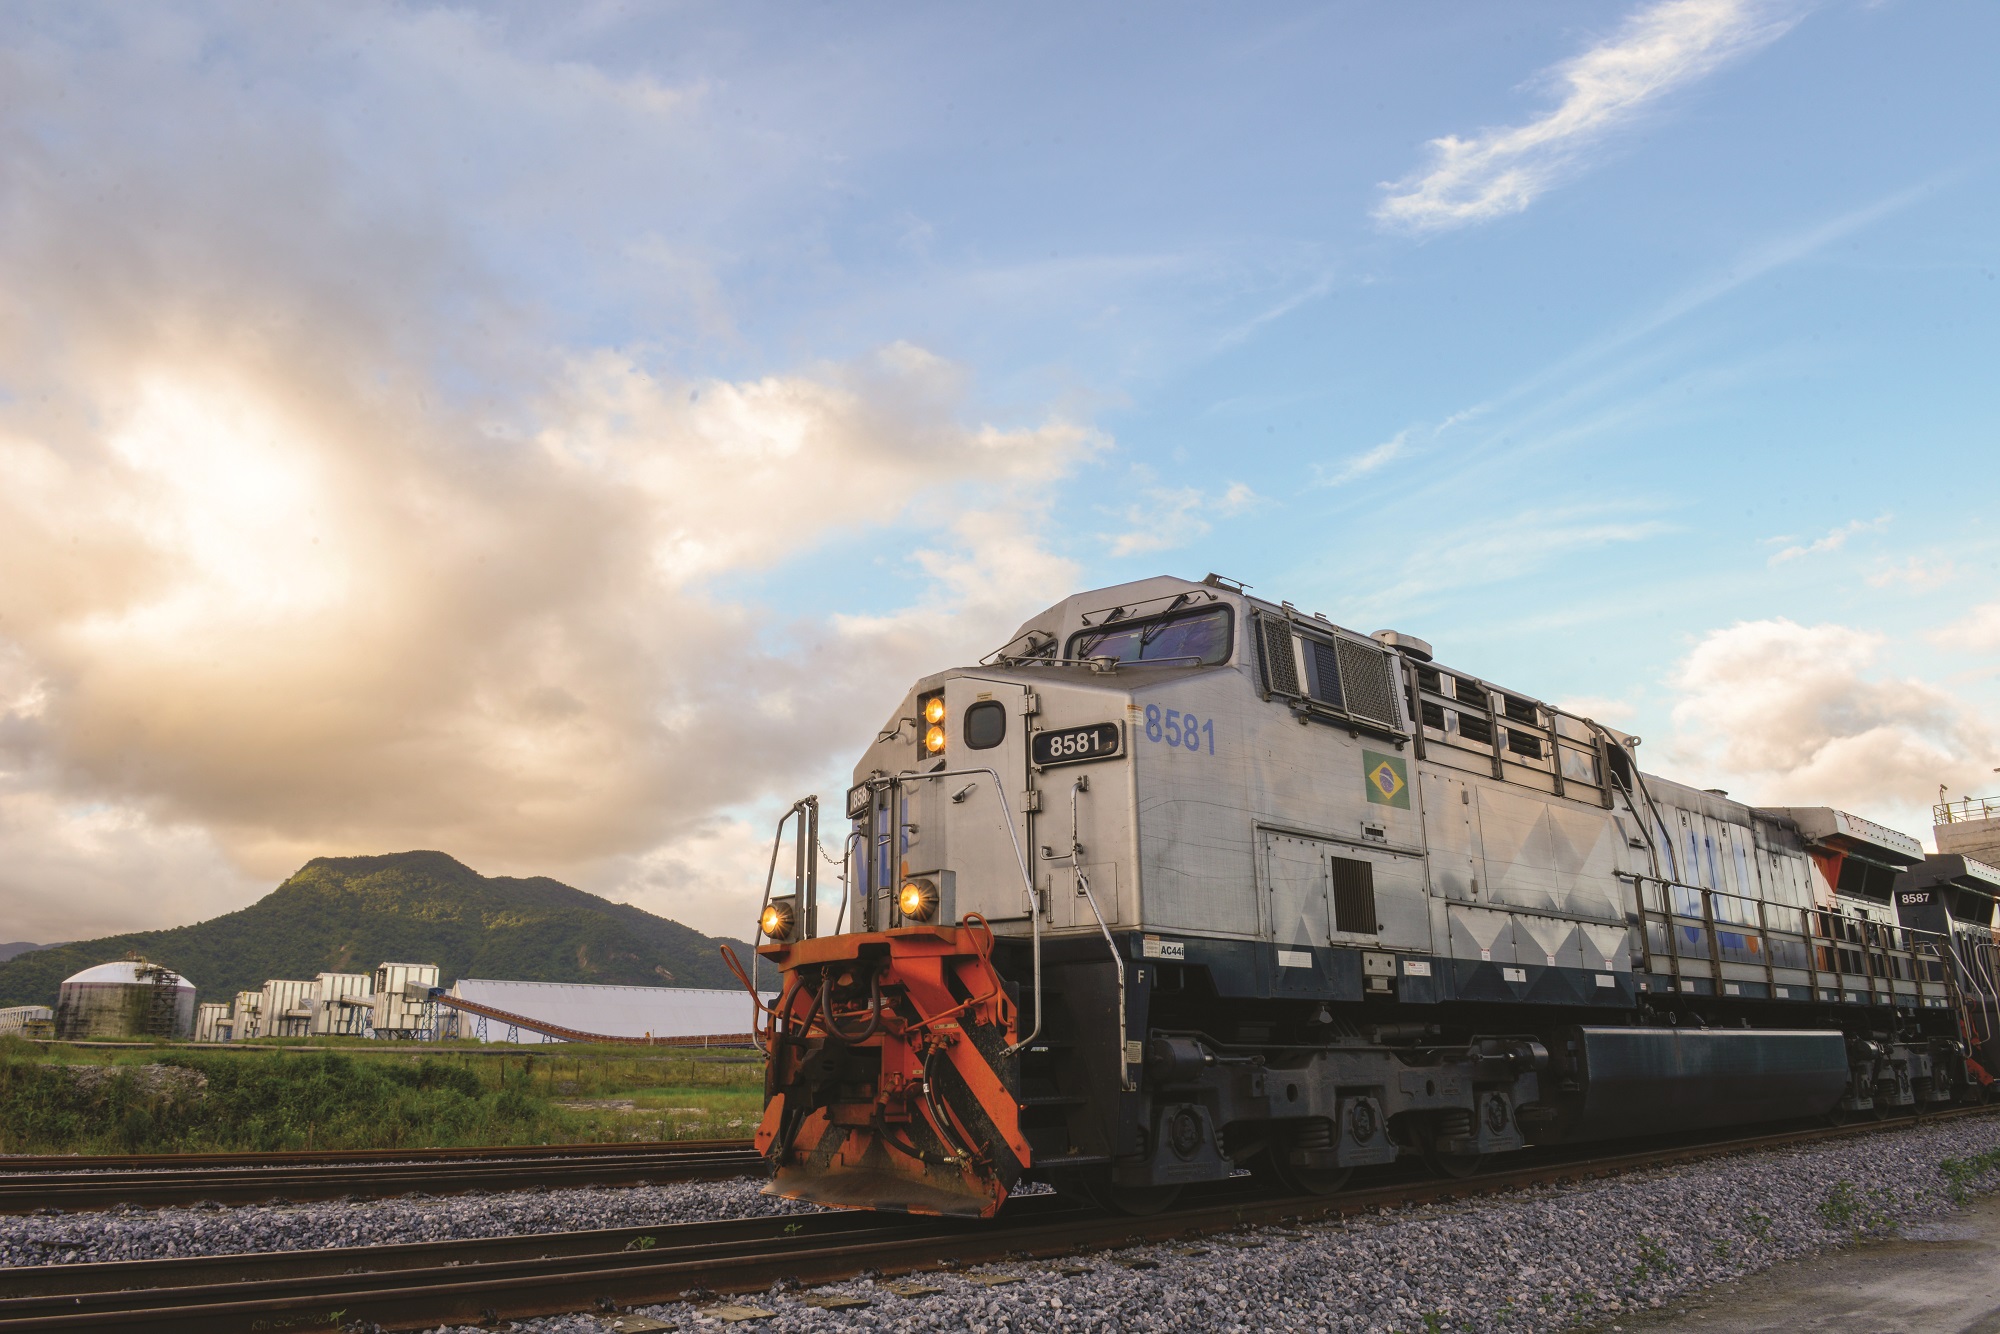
[868, 1030]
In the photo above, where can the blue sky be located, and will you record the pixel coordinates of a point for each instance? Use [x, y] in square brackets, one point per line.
[556, 435]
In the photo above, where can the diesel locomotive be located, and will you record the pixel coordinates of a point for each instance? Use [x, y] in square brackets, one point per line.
[1180, 882]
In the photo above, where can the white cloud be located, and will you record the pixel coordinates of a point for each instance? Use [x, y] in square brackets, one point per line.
[1787, 714]
[1500, 171]
[1368, 461]
[250, 618]
[1493, 551]
[1170, 517]
[1832, 541]
[317, 541]
[1978, 631]
[1916, 573]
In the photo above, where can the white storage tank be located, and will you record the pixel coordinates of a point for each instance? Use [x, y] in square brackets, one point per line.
[126, 999]
[343, 1003]
[402, 999]
[287, 1008]
[246, 1016]
[211, 1022]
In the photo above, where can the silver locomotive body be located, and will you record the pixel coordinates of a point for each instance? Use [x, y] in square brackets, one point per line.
[1261, 891]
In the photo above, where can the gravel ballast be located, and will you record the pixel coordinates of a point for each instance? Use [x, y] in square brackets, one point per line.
[151, 1234]
[1542, 1259]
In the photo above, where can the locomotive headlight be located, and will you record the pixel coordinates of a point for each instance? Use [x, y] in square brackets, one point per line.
[776, 923]
[930, 725]
[918, 900]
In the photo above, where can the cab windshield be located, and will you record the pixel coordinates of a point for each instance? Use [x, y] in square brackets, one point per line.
[1192, 637]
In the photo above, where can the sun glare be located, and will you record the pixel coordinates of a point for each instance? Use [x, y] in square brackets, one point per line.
[232, 496]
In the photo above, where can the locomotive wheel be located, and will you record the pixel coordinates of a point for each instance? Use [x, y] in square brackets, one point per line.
[1455, 1166]
[1270, 1165]
[1135, 1201]
[1302, 1180]
[1849, 1116]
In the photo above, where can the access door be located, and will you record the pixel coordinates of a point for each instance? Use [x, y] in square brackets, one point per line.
[1325, 892]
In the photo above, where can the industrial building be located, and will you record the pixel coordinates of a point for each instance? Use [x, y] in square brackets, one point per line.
[402, 1006]
[126, 999]
[286, 1008]
[343, 1004]
[211, 1022]
[607, 1011]
[28, 1021]
[246, 1014]
[135, 999]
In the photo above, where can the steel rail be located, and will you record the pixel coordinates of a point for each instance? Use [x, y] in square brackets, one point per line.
[265, 1178]
[414, 1287]
[92, 1162]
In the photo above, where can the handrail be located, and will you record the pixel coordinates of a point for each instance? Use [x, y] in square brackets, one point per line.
[846, 877]
[1081, 785]
[798, 808]
[1963, 810]
[1645, 827]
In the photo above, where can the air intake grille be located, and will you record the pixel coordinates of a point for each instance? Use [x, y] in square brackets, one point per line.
[1353, 896]
[1367, 679]
[1281, 674]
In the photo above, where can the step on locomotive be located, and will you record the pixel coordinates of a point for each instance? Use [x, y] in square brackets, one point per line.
[1179, 882]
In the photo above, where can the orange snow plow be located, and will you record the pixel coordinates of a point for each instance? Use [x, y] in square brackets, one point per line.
[888, 1082]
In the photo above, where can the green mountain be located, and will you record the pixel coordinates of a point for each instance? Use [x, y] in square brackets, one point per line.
[348, 914]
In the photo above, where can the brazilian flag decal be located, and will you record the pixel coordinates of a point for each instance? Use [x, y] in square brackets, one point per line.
[1385, 778]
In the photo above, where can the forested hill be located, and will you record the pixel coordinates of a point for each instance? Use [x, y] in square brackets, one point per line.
[348, 914]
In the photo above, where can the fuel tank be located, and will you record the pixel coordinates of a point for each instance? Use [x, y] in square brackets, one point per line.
[1615, 1082]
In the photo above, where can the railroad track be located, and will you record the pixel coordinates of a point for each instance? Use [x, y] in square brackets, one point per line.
[488, 1280]
[28, 1184]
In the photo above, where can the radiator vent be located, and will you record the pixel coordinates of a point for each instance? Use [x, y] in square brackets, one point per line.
[1368, 680]
[1281, 673]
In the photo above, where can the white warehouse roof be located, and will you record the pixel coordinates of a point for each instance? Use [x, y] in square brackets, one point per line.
[619, 1012]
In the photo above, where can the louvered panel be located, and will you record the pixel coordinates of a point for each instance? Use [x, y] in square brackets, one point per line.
[1368, 681]
[1353, 896]
[1281, 673]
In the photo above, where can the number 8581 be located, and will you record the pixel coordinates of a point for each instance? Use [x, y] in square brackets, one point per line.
[1181, 730]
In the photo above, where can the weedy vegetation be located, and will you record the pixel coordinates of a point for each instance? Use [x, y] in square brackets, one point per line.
[61, 1099]
[1961, 1174]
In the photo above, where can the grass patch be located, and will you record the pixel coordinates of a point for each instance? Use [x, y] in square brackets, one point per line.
[1845, 1209]
[1653, 1260]
[1960, 1174]
[59, 1099]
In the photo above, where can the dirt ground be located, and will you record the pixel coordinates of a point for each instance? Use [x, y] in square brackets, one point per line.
[1938, 1278]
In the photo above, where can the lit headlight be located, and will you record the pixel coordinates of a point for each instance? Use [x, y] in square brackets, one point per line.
[918, 900]
[777, 921]
[931, 713]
